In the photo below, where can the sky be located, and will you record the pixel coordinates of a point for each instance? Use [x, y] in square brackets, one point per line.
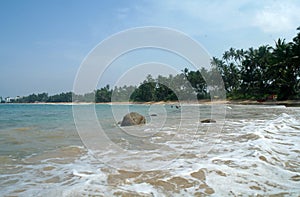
[43, 43]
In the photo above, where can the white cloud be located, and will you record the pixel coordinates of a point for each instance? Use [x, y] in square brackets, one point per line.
[196, 17]
[278, 17]
[218, 24]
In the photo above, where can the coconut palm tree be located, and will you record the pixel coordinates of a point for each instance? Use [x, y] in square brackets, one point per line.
[282, 70]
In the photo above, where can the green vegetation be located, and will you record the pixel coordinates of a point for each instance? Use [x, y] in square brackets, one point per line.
[258, 73]
[160, 89]
[169, 88]
[254, 74]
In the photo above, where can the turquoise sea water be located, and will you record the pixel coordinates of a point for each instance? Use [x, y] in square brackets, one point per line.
[44, 153]
[27, 129]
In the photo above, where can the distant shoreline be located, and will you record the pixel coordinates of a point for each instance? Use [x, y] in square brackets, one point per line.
[206, 102]
[251, 102]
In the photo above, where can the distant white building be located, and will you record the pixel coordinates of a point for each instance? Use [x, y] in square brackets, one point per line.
[8, 99]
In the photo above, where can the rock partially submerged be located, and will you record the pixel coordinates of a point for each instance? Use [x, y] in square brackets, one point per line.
[208, 121]
[133, 118]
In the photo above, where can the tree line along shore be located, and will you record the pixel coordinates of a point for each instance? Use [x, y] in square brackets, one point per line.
[256, 74]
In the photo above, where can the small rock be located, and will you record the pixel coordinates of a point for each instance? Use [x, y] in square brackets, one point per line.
[153, 114]
[208, 121]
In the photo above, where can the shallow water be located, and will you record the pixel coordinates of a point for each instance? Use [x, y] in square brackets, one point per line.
[253, 150]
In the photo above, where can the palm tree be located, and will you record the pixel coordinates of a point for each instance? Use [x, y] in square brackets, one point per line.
[283, 70]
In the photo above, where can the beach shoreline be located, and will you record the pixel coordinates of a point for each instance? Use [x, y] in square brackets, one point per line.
[192, 102]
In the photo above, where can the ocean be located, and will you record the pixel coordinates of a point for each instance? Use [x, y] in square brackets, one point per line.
[80, 150]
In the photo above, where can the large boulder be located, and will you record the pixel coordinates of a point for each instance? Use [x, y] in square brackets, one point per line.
[133, 118]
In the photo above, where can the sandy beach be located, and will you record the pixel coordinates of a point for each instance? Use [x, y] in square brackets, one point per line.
[205, 102]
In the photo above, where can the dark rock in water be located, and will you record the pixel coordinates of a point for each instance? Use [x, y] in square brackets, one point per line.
[133, 118]
[208, 121]
[153, 115]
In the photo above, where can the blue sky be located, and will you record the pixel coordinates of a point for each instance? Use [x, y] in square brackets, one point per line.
[42, 43]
